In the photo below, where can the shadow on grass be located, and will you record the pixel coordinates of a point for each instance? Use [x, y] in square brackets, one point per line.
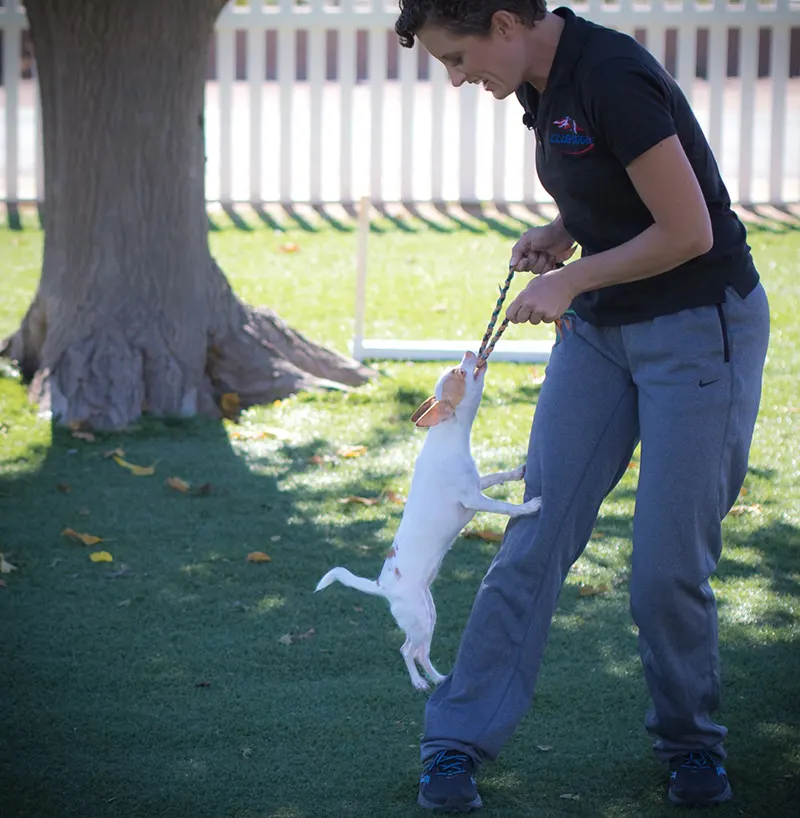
[157, 684]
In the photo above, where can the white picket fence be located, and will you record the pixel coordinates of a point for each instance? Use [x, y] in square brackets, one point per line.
[417, 139]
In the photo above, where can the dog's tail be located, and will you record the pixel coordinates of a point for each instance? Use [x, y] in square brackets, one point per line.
[368, 586]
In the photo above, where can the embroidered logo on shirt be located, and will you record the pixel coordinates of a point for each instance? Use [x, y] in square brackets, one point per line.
[570, 137]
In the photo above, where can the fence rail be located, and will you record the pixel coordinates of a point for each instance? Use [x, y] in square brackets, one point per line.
[314, 102]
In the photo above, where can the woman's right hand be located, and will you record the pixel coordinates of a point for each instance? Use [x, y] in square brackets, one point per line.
[542, 249]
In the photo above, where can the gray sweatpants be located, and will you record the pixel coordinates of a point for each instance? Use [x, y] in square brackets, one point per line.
[688, 385]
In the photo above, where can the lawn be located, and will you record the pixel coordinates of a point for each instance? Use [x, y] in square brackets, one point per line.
[183, 680]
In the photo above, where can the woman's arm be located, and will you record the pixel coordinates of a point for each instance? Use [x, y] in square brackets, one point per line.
[667, 185]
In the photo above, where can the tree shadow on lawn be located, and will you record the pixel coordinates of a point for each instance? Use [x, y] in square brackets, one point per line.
[157, 684]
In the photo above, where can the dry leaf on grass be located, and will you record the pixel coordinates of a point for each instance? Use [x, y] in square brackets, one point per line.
[393, 497]
[351, 451]
[483, 534]
[289, 247]
[5, 566]
[115, 453]
[137, 471]
[86, 539]
[593, 590]
[87, 436]
[178, 484]
[64, 488]
[739, 510]
[101, 556]
[258, 556]
[291, 638]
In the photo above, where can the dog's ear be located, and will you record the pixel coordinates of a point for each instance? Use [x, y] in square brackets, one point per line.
[438, 411]
[423, 408]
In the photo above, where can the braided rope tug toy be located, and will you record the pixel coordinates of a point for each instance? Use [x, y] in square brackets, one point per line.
[486, 345]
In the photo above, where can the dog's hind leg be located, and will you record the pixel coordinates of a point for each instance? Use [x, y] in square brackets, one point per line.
[423, 651]
[408, 651]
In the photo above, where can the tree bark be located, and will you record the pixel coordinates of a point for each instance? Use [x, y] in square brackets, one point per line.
[132, 314]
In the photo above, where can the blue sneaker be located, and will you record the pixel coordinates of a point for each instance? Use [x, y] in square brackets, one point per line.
[447, 783]
[698, 780]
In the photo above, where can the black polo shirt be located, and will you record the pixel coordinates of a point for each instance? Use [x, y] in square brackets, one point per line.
[607, 101]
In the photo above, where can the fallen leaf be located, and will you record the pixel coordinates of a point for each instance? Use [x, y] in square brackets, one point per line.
[178, 484]
[545, 748]
[6, 567]
[631, 465]
[64, 488]
[289, 247]
[275, 538]
[291, 638]
[137, 471]
[351, 451]
[483, 534]
[229, 403]
[364, 501]
[86, 539]
[258, 556]
[280, 434]
[593, 590]
[101, 556]
[743, 491]
[393, 497]
[739, 510]
[115, 453]
[87, 436]
[570, 797]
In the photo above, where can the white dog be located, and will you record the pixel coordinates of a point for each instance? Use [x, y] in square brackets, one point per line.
[446, 491]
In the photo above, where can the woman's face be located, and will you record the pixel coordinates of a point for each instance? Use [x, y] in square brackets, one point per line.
[496, 60]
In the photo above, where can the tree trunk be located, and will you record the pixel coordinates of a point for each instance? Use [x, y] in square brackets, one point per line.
[132, 314]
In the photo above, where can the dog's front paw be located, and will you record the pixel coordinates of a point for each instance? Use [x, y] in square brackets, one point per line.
[531, 507]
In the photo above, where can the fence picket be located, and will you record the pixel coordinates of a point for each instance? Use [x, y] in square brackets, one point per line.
[779, 71]
[247, 163]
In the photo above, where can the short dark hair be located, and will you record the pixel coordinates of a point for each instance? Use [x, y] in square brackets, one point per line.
[461, 17]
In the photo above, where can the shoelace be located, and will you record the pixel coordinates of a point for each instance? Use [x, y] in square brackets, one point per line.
[449, 765]
[702, 760]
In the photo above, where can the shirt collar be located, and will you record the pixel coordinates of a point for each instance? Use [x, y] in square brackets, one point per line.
[570, 46]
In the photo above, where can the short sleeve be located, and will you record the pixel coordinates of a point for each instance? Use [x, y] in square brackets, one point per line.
[629, 106]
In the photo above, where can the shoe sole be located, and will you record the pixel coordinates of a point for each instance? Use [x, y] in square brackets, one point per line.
[724, 796]
[450, 806]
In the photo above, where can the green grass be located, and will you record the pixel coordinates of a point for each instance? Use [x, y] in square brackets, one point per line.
[157, 685]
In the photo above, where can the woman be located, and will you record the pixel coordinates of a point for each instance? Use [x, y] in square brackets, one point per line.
[666, 346]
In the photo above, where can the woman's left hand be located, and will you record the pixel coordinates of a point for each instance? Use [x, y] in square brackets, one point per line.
[546, 298]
